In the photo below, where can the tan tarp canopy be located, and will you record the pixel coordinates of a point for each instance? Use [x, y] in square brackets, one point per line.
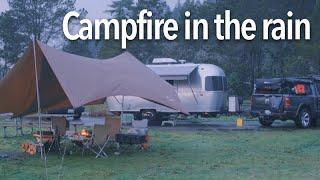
[67, 80]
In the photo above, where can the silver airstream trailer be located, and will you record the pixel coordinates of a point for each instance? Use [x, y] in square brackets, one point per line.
[200, 87]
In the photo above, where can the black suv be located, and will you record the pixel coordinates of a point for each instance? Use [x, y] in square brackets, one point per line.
[77, 112]
[295, 99]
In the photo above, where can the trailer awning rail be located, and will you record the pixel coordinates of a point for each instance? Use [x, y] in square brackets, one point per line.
[176, 72]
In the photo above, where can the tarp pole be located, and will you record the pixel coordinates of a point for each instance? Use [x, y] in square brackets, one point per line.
[121, 117]
[38, 95]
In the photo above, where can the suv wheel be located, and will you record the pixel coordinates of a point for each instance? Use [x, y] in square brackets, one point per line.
[266, 122]
[304, 119]
[77, 116]
[148, 114]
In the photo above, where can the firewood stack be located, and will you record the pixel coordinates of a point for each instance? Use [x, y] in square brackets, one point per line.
[29, 148]
[146, 145]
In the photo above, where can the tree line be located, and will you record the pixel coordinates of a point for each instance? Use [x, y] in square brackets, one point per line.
[243, 61]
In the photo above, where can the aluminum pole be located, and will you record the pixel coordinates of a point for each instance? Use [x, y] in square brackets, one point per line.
[38, 94]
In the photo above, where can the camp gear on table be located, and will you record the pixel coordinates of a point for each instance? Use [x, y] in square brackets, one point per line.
[85, 133]
[47, 136]
[135, 135]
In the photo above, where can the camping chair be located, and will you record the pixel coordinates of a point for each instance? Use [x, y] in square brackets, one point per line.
[59, 126]
[106, 133]
[100, 139]
[102, 135]
[89, 141]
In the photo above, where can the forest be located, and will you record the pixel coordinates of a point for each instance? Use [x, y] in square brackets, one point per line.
[243, 61]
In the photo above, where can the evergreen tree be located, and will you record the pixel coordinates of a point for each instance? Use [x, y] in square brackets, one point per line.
[121, 9]
[177, 10]
[243, 61]
[24, 19]
[159, 8]
[78, 47]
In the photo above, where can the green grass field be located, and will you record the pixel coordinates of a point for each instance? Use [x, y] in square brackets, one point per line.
[184, 155]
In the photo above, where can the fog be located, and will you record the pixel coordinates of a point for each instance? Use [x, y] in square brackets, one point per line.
[95, 8]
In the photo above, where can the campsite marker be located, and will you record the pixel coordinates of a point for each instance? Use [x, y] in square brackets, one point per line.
[239, 122]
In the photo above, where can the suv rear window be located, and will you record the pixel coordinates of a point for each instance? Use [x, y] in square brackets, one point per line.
[293, 88]
[299, 89]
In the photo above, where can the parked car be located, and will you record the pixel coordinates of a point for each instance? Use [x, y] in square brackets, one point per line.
[295, 99]
[77, 112]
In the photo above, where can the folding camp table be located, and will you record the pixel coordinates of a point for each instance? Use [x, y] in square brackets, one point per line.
[75, 124]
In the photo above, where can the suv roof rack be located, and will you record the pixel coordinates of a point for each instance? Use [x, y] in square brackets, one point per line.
[290, 79]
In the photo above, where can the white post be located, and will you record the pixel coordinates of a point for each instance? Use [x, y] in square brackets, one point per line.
[122, 105]
[38, 95]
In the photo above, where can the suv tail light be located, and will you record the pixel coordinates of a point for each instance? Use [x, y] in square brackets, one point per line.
[287, 102]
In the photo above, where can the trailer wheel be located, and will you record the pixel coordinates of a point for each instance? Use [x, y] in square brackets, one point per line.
[304, 119]
[151, 115]
[77, 116]
[148, 114]
[266, 122]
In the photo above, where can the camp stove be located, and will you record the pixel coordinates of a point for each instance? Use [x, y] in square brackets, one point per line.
[85, 133]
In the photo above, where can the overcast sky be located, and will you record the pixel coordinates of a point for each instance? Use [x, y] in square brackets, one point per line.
[95, 8]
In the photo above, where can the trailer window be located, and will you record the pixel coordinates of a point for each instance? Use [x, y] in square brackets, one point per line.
[214, 83]
[170, 82]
